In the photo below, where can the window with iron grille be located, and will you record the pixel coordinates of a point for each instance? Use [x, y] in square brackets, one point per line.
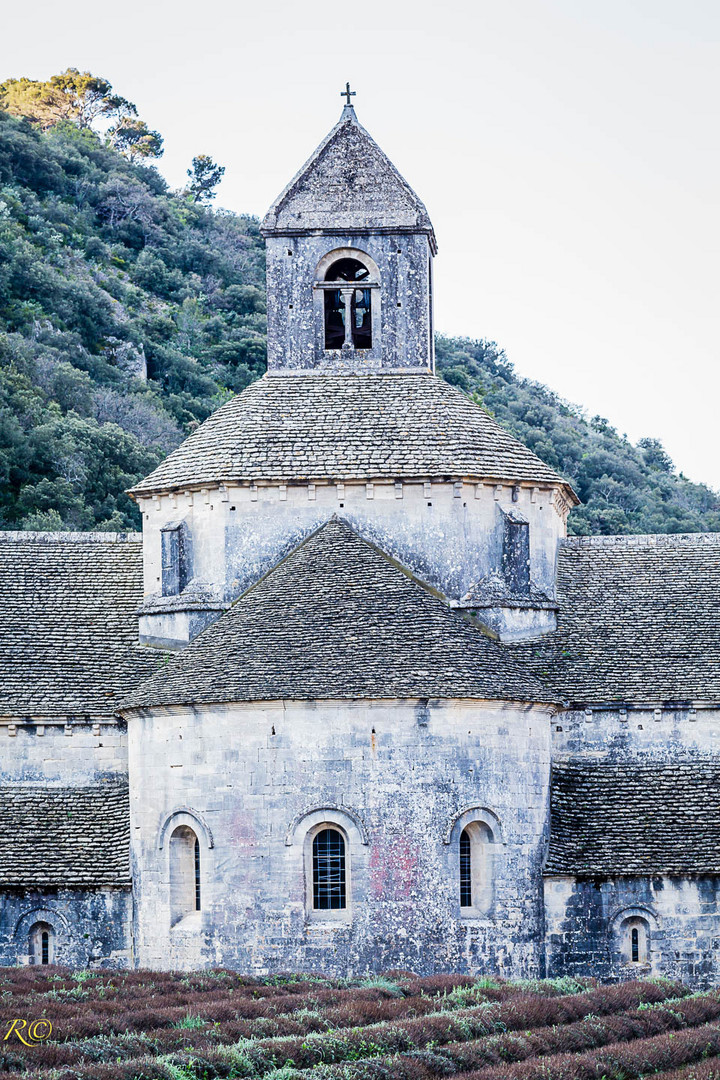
[197, 876]
[328, 856]
[465, 870]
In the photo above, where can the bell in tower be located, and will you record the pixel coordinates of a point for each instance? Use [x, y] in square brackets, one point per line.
[349, 263]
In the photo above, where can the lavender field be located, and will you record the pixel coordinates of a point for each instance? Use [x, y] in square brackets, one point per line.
[176, 1026]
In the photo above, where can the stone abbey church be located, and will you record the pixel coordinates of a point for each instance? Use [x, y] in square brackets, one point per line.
[353, 701]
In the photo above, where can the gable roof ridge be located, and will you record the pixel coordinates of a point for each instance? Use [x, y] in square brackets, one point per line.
[276, 565]
[416, 580]
[395, 564]
[342, 521]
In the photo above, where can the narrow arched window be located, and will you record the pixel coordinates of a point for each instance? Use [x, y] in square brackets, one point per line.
[185, 879]
[476, 869]
[348, 308]
[197, 875]
[328, 870]
[635, 940]
[41, 944]
[465, 870]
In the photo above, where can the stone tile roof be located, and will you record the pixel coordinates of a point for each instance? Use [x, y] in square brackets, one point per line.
[635, 819]
[348, 427]
[71, 837]
[348, 184]
[639, 621]
[337, 619]
[68, 628]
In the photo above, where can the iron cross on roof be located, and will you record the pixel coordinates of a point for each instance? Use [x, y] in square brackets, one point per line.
[348, 93]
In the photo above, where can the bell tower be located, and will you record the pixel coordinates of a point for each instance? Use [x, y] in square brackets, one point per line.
[349, 263]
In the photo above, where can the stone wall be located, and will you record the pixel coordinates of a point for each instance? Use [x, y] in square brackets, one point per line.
[90, 929]
[614, 734]
[396, 779]
[70, 752]
[586, 920]
[585, 917]
[295, 312]
[449, 534]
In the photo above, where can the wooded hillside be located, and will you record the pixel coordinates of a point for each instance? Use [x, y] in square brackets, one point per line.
[106, 274]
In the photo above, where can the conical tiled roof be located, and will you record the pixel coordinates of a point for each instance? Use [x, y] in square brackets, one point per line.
[337, 428]
[348, 184]
[337, 619]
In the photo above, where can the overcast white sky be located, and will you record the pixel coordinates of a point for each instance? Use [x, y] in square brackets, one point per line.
[567, 151]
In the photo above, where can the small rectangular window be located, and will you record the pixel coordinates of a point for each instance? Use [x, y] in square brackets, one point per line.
[176, 557]
[516, 554]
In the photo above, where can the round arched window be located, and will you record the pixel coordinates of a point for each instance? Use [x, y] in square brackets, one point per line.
[476, 869]
[348, 308]
[328, 870]
[635, 940]
[42, 943]
[347, 270]
[185, 879]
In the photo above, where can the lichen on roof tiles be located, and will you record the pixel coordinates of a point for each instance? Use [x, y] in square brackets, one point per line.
[68, 624]
[638, 621]
[314, 427]
[72, 837]
[636, 818]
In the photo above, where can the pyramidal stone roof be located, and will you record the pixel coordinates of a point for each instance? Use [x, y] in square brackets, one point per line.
[337, 619]
[326, 428]
[347, 185]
